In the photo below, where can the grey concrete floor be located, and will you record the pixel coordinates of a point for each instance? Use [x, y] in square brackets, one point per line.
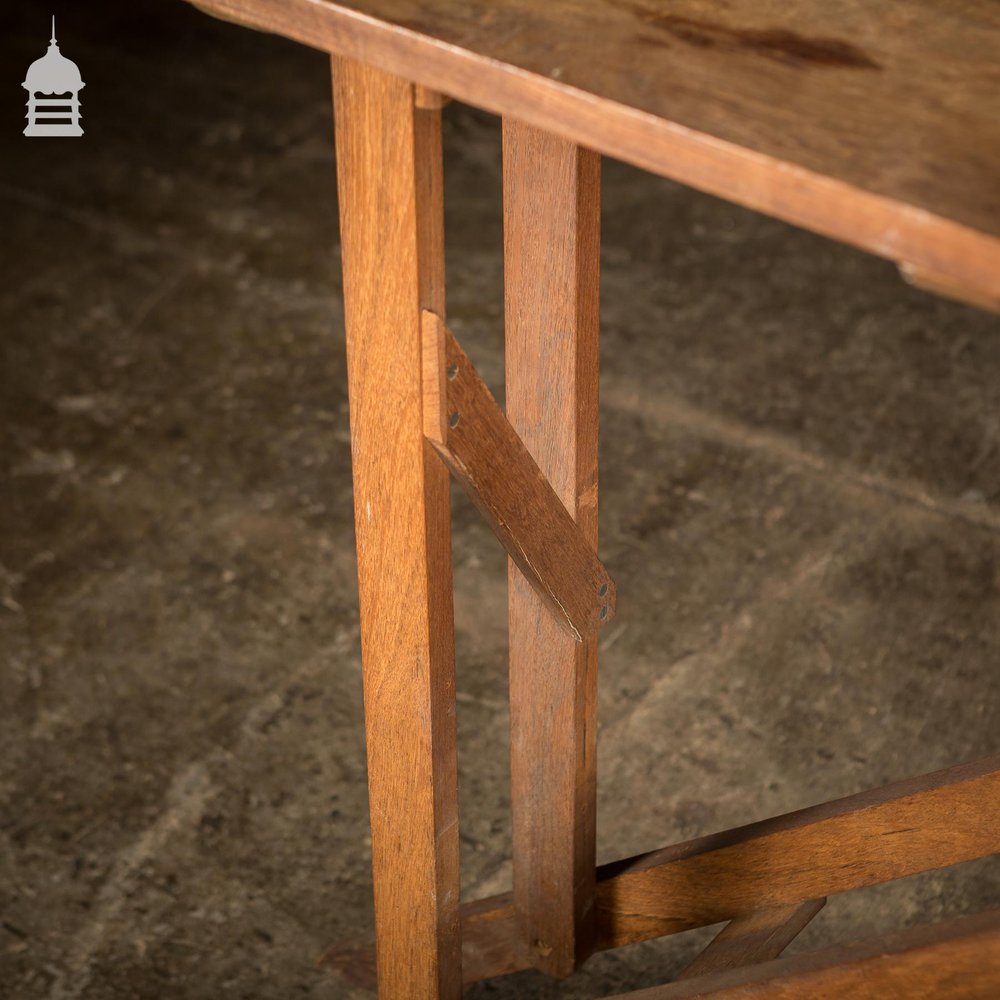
[800, 503]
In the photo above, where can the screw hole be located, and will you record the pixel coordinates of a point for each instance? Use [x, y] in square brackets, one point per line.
[604, 612]
[604, 590]
[453, 419]
[452, 371]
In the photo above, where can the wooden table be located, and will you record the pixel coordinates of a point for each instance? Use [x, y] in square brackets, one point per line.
[875, 124]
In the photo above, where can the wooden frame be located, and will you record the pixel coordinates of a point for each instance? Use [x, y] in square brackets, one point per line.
[418, 408]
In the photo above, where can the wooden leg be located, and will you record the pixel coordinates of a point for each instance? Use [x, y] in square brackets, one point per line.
[551, 246]
[389, 178]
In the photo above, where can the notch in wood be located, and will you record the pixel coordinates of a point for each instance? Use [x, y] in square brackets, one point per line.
[468, 429]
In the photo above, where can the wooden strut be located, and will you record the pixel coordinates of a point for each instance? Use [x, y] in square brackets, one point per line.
[912, 826]
[756, 937]
[467, 427]
[551, 237]
[768, 878]
[958, 959]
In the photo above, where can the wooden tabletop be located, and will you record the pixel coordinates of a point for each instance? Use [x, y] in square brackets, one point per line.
[874, 123]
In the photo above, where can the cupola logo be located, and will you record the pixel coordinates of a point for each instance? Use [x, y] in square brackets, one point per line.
[58, 81]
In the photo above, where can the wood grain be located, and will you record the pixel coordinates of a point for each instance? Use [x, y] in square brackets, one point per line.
[429, 100]
[389, 182]
[916, 825]
[754, 937]
[467, 427]
[958, 960]
[489, 939]
[945, 285]
[929, 822]
[877, 127]
[551, 274]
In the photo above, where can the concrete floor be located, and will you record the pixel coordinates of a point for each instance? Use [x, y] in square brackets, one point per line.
[801, 506]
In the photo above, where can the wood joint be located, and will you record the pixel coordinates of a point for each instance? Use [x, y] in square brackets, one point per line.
[427, 99]
[466, 426]
[755, 937]
[916, 825]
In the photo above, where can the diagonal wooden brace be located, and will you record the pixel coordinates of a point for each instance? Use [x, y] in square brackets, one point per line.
[759, 936]
[469, 430]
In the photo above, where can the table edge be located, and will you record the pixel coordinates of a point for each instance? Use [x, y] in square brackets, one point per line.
[964, 262]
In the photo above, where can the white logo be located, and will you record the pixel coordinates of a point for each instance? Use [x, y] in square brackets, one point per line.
[53, 74]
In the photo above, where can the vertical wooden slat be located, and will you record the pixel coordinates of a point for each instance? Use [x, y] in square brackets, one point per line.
[551, 246]
[389, 179]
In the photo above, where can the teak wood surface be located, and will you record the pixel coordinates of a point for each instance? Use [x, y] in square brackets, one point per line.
[957, 960]
[389, 181]
[477, 442]
[755, 937]
[875, 124]
[911, 826]
[552, 212]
